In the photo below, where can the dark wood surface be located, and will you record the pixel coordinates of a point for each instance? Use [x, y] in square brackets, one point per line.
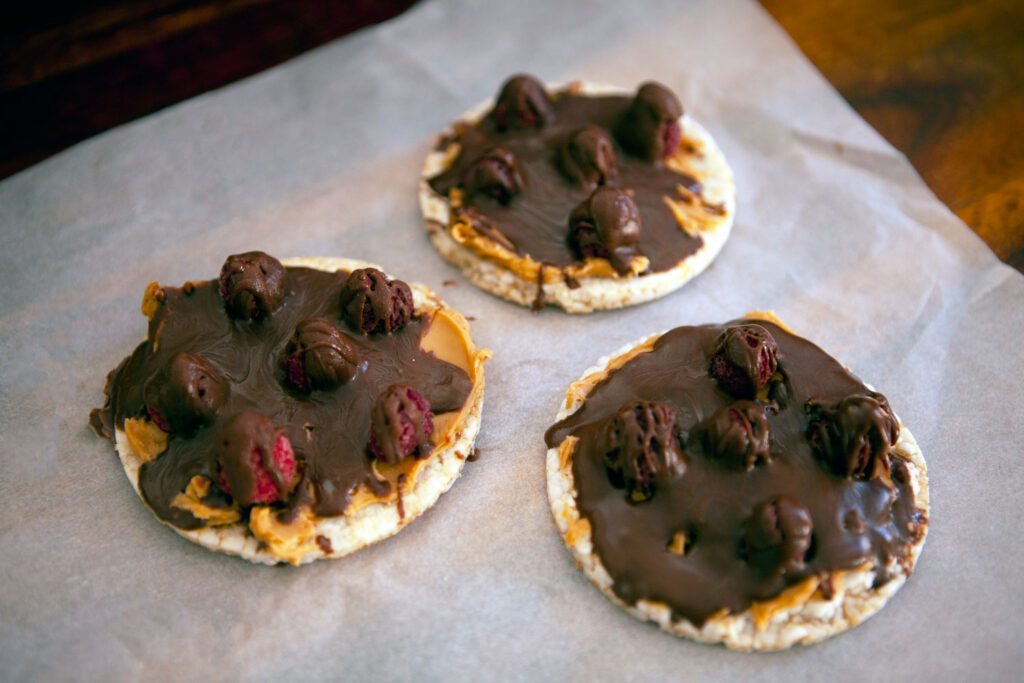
[70, 70]
[942, 80]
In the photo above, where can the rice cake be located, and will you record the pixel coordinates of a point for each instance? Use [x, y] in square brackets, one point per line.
[728, 511]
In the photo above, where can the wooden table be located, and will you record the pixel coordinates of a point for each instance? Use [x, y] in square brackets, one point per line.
[943, 80]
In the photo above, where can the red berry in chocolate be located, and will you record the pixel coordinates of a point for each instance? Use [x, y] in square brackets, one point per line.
[642, 448]
[186, 394]
[744, 360]
[255, 460]
[252, 285]
[522, 103]
[374, 303]
[738, 435]
[400, 425]
[649, 128]
[319, 356]
[671, 136]
[495, 174]
[589, 157]
[854, 437]
[607, 225]
[778, 535]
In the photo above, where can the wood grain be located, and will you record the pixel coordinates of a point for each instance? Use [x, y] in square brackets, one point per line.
[943, 81]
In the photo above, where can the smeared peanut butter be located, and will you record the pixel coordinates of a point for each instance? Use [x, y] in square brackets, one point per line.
[192, 500]
[290, 540]
[146, 439]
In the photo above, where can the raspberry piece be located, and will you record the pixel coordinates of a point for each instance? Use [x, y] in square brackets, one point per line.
[738, 435]
[252, 285]
[642, 448]
[495, 174]
[400, 425]
[255, 462]
[607, 225]
[672, 136]
[854, 437]
[158, 419]
[649, 129]
[744, 360]
[522, 103]
[319, 356]
[185, 395]
[589, 157]
[374, 303]
[778, 535]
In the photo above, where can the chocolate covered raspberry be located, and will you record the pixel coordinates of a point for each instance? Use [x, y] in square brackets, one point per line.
[854, 437]
[606, 225]
[649, 129]
[400, 425]
[738, 435]
[252, 285]
[744, 360]
[589, 157]
[374, 303]
[186, 394]
[522, 103]
[255, 460]
[495, 174]
[778, 535]
[642, 448]
[319, 356]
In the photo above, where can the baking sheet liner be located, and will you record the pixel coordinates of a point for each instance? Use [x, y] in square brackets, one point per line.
[320, 156]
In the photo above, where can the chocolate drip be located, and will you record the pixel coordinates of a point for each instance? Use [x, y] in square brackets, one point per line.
[325, 544]
[327, 429]
[534, 222]
[733, 560]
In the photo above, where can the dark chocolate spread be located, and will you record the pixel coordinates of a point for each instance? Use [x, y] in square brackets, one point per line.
[750, 523]
[328, 428]
[550, 167]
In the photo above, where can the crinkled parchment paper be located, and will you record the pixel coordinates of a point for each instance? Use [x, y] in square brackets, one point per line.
[834, 231]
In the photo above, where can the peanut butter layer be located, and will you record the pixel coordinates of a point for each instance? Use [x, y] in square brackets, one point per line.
[686, 542]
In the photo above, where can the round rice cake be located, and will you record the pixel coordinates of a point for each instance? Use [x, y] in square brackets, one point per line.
[735, 484]
[587, 197]
[243, 421]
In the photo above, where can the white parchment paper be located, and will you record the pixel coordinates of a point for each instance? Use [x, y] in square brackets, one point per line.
[320, 156]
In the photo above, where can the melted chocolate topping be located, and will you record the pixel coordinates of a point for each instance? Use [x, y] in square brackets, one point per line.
[745, 522]
[535, 222]
[328, 429]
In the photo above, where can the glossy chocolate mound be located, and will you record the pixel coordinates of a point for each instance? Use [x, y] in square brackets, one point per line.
[759, 505]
